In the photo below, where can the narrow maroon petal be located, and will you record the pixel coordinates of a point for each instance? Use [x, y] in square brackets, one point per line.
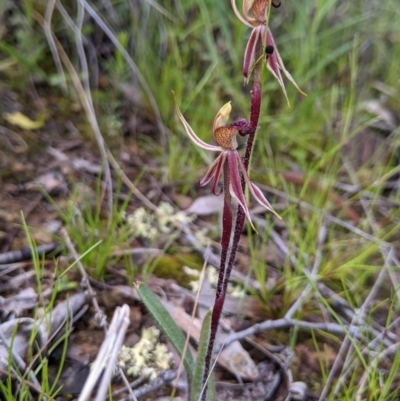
[217, 174]
[256, 192]
[286, 72]
[249, 53]
[273, 63]
[212, 171]
[261, 199]
[235, 183]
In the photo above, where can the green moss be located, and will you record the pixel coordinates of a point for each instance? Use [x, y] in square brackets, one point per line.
[171, 267]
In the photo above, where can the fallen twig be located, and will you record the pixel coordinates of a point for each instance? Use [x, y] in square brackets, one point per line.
[25, 382]
[327, 292]
[285, 323]
[107, 356]
[25, 253]
[160, 381]
[350, 343]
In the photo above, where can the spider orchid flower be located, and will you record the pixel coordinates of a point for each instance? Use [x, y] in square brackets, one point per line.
[225, 137]
[261, 36]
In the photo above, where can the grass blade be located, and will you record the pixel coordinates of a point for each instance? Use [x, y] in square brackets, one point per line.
[167, 325]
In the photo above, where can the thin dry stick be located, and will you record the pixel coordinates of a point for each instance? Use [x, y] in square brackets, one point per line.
[125, 179]
[326, 291]
[128, 388]
[134, 384]
[20, 362]
[47, 31]
[89, 113]
[137, 251]
[132, 65]
[328, 216]
[14, 376]
[286, 323]
[374, 225]
[130, 184]
[312, 276]
[101, 317]
[373, 366]
[117, 333]
[386, 251]
[377, 341]
[349, 343]
[348, 369]
[107, 356]
[283, 323]
[95, 127]
[25, 253]
[68, 20]
[160, 381]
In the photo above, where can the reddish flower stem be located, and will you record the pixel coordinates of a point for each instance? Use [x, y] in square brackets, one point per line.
[240, 218]
[220, 292]
[227, 221]
[226, 268]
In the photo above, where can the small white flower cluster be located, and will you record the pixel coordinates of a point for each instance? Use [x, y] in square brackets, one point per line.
[148, 224]
[148, 357]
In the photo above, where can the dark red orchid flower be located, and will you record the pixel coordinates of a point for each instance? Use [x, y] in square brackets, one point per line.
[225, 136]
[261, 36]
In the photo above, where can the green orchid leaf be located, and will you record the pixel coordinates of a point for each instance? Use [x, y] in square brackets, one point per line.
[167, 325]
[197, 384]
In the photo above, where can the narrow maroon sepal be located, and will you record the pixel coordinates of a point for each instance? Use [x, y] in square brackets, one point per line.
[249, 54]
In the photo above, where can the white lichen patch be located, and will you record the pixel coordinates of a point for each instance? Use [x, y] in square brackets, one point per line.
[147, 357]
[202, 237]
[191, 272]
[167, 216]
[141, 224]
[147, 224]
[194, 285]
